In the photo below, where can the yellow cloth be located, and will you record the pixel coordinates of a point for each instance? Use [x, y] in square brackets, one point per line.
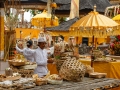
[116, 18]
[114, 70]
[33, 33]
[52, 68]
[111, 68]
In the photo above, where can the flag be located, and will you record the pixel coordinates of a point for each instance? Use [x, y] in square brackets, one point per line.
[74, 11]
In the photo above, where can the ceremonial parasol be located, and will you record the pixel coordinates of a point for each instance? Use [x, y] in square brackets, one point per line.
[94, 25]
[44, 20]
[117, 18]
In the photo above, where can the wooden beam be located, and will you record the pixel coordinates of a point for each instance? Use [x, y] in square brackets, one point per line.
[115, 2]
[40, 7]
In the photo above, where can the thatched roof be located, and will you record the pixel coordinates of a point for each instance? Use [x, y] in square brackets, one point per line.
[65, 4]
[44, 1]
[64, 26]
[89, 4]
[59, 1]
[84, 4]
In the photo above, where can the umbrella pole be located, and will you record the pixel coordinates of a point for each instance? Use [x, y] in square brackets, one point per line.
[92, 56]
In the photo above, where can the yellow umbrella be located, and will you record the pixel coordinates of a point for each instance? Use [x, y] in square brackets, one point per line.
[44, 19]
[95, 25]
[116, 18]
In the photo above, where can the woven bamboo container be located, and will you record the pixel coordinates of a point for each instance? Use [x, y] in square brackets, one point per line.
[72, 70]
[59, 64]
[24, 72]
[63, 56]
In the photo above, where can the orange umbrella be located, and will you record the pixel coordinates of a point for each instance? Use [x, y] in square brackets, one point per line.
[44, 19]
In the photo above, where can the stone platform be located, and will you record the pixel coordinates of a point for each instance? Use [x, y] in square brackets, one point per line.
[86, 84]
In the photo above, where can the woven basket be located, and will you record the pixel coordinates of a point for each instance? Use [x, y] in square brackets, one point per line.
[24, 72]
[72, 70]
[59, 64]
[64, 56]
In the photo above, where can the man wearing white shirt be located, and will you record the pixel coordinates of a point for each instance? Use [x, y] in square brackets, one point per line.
[41, 58]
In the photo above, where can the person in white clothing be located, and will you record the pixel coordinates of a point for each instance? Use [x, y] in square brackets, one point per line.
[41, 58]
[28, 52]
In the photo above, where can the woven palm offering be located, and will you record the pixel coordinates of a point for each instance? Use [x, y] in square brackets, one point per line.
[54, 79]
[72, 70]
[99, 57]
[97, 54]
[39, 81]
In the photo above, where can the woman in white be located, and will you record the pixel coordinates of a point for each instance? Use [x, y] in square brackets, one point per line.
[28, 52]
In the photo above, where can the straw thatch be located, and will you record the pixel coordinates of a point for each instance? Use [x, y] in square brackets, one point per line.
[65, 4]
[89, 4]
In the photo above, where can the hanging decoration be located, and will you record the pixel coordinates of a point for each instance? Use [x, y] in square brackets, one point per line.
[112, 11]
[53, 5]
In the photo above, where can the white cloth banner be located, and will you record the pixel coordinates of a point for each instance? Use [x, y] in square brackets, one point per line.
[74, 12]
